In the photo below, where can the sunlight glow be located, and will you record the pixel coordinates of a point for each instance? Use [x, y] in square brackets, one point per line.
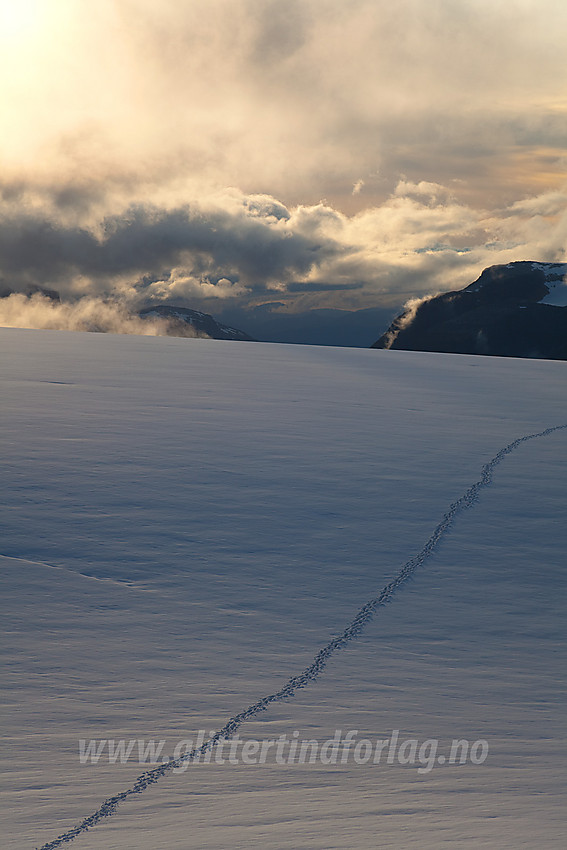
[20, 18]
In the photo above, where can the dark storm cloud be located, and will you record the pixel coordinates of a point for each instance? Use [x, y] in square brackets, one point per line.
[251, 245]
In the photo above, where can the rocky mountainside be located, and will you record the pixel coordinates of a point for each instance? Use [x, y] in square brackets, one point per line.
[516, 310]
[180, 317]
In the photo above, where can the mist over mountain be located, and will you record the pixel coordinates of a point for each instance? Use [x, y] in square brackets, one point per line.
[513, 310]
[180, 318]
[43, 309]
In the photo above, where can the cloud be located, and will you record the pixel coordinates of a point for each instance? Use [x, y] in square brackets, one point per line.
[225, 245]
[298, 101]
[86, 314]
[231, 246]
[405, 319]
[319, 153]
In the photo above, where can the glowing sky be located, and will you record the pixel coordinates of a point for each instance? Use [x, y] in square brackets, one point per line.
[313, 152]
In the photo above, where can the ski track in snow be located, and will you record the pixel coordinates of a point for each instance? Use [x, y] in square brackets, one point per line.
[311, 673]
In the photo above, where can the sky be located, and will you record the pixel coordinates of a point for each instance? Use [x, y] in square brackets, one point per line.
[312, 153]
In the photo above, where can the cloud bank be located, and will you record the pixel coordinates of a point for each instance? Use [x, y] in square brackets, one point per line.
[255, 249]
[319, 153]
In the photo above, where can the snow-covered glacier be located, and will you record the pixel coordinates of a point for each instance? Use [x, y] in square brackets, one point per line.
[187, 523]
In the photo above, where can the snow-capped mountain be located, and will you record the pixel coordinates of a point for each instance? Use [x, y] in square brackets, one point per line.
[181, 317]
[516, 310]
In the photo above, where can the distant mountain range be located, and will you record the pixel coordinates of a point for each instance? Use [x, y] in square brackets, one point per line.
[328, 326]
[345, 328]
[516, 310]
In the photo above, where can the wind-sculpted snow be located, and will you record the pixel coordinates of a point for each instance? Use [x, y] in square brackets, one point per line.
[311, 673]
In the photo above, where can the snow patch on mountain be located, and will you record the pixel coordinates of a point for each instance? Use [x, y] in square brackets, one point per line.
[556, 282]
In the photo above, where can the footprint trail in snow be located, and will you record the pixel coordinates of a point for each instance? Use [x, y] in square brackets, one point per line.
[311, 673]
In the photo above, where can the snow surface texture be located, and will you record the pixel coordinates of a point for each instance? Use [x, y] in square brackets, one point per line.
[189, 520]
[352, 631]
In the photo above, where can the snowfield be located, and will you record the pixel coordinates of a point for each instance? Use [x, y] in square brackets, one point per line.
[188, 523]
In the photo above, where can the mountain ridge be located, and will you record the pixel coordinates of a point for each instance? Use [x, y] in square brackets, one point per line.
[513, 310]
[179, 317]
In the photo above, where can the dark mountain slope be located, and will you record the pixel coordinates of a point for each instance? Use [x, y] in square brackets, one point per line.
[517, 310]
